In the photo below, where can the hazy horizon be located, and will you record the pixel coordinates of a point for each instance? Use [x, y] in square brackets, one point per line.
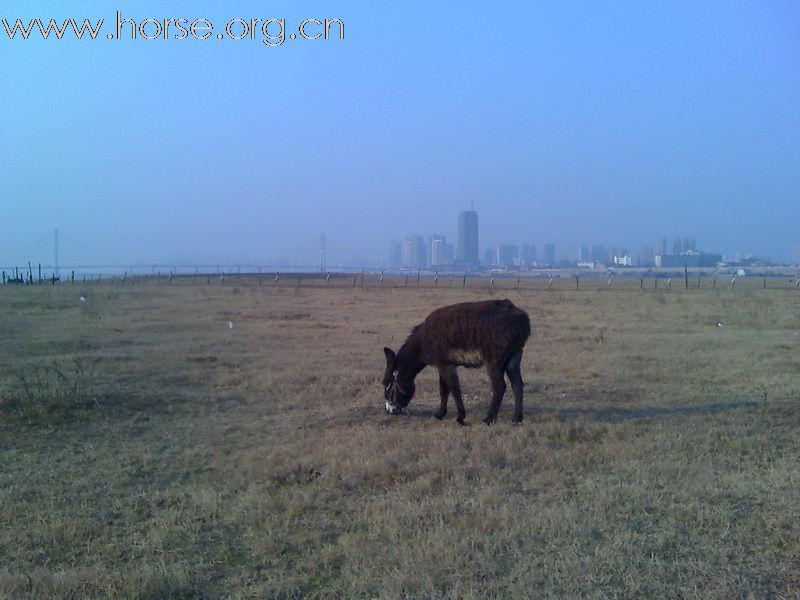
[568, 123]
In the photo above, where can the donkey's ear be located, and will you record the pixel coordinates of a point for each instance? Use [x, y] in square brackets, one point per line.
[391, 358]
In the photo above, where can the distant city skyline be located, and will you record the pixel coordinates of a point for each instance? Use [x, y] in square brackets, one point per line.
[426, 251]
[415, 253]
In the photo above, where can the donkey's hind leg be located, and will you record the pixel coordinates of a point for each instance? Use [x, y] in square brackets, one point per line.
[498, 390]
[515, 377]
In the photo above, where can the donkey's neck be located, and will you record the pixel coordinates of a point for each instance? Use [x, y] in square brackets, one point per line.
[409, 357]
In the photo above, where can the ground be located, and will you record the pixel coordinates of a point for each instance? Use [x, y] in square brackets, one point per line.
[191, 440]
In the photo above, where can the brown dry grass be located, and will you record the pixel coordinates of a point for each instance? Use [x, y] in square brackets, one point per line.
[203, 461]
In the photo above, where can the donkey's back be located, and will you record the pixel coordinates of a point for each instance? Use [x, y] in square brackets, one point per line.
[471, 334]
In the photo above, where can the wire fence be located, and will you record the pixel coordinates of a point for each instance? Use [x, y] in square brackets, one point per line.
[411, 280]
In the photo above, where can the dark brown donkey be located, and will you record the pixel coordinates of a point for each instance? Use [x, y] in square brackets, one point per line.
[470, 334]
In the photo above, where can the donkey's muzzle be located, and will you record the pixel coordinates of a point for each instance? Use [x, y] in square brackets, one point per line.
[393, 410]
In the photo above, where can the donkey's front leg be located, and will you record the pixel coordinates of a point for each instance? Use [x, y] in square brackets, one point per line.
[450, 377]
[444, 392]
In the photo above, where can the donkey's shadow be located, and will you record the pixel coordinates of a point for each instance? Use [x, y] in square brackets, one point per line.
[612, 414]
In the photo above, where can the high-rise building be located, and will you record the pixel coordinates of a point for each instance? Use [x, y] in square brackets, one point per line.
[449, 253]
[646, 257]
[395, 255]
[549, 254]
[677, 247]
[437, 252]
[467, 250]
[506, 253]
[527, 255]
[662, 248]
[597, 253]
[414, 255]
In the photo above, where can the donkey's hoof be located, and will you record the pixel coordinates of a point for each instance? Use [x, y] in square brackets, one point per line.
[440, 415]
[488, 421]
[516, 421]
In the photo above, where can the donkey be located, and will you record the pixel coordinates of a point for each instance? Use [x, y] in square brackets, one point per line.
[470, 334]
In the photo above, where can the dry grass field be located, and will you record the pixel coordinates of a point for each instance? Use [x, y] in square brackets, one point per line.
[149, 449]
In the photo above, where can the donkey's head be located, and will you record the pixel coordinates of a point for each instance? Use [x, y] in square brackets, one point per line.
[398, 388]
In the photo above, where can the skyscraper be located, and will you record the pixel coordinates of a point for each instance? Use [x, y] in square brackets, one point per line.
[467, 251]
[506, 253]
[646, 257]
[395, 254]
[549, 254]
[414, 254]
[437, 253]
[527, 255]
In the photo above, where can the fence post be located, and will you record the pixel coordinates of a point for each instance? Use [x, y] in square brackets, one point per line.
[733, 282]
[609, 282]
[765, 283]
[436, 280]
[550, 283]
[517, 282]
[464, 281]
[641, 283]
[406, 285]
[577, 282]
[686, 275]
[418, 272]
[698, 282]
[328, 279]
[669, 283]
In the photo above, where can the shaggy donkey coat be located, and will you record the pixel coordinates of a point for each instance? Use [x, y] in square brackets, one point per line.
[470, 334]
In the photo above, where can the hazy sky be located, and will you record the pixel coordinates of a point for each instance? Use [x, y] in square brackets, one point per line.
[575, 123]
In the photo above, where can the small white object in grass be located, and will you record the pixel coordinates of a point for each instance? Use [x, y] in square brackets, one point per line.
[230, 324]
[719, 324]
[83, 299]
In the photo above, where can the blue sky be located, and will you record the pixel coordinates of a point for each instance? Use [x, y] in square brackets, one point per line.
[565, 122]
